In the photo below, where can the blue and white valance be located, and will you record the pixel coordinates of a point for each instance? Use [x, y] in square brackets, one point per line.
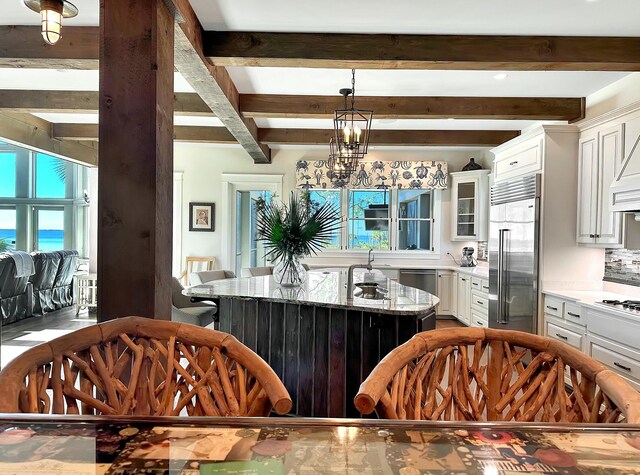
[422, 175]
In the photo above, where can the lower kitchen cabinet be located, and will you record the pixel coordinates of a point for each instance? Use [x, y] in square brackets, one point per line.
[447, 293]
[564, 331]
[621, 359]
[607, 337]
[464, 298]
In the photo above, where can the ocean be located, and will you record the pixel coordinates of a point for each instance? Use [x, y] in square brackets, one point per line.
[48, 239]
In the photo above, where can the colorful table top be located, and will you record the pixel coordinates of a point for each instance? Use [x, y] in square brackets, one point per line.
[207, 446]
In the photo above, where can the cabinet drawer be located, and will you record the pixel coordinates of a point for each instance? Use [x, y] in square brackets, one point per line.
[619, 363]
[567, 336]
[476, 284]
[553, 306]
[573, 313]
[479, 303]
[479, 320]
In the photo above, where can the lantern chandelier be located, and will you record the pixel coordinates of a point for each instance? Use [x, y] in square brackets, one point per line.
[352, 126]
[341, 167]
[51, 14]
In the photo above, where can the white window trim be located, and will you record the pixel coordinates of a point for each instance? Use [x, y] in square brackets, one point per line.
[232, 182]
[383, 254]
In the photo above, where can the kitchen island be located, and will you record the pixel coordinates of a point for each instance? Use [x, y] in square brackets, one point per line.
[320, 343]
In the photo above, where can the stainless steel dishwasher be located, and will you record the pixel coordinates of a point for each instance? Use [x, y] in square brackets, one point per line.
[419, 279]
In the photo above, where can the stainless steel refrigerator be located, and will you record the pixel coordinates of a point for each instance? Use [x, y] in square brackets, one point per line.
[513, 254]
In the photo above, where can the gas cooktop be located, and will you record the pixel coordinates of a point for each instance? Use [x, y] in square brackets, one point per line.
[631, 306]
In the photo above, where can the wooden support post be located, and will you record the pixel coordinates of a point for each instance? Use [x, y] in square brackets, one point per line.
[135, 184]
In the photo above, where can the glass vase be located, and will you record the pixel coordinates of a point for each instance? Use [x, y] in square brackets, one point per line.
[288, 271]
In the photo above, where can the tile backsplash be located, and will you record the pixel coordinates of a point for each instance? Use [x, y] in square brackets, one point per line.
[622, 266]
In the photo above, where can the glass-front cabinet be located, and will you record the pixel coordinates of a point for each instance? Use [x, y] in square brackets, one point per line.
[469, 205]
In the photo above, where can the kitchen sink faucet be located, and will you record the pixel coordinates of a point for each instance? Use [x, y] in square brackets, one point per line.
[370, 259]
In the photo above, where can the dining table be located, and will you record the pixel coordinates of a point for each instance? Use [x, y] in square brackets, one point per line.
[78, 445]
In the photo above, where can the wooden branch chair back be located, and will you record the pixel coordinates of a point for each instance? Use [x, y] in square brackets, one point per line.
[199, 263]
[477, 374]
[146, 367]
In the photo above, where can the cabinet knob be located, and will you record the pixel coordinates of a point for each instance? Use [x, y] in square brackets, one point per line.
[592, 235]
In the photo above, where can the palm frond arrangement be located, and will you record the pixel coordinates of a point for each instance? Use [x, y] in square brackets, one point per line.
[300, 228]
[4, 245]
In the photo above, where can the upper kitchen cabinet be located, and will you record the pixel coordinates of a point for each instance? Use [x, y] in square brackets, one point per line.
[520, 159]
[469, 205]
[599, 154]
[625, 189]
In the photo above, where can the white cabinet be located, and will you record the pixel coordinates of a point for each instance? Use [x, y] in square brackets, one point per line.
[563, 321]
[446, 292]
[598, 153]
[469, 205]
[625, 189]
[523, 159]
[464, 298]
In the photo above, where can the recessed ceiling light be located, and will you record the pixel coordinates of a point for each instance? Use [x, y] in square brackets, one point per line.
[500, 76]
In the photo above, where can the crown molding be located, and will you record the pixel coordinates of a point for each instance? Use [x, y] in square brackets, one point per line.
[608, 116]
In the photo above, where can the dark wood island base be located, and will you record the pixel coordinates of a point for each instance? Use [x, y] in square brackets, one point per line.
[321, 354]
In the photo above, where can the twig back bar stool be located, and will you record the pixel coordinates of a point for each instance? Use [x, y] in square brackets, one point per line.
[479, 374]
[141, 366]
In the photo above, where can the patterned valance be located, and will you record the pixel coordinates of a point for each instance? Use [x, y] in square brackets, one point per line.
[428, 174]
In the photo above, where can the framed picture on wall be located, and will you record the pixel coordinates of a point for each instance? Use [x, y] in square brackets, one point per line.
[202, 216]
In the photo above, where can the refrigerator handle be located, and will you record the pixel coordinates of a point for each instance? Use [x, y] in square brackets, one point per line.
[502, 316]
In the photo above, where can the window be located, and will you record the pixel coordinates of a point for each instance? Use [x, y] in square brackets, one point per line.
[42, 204]
[51, 176]
[368, 219]
[7, 174]
[7, 229]
[49, 223]
[415, 220]
[402, 220]
[320, 197]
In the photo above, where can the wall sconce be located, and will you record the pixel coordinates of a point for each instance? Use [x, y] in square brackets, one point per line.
[51, 13]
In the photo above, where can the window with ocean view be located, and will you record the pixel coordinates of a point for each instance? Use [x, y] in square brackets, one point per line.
[41, 202]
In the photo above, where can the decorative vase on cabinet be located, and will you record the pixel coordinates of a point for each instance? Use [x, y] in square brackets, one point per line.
[469, 205]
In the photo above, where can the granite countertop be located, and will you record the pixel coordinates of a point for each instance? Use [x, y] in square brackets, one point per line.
[481, 271]
[325, 288]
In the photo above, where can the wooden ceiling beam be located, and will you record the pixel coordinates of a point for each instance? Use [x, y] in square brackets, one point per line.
[480, 138]
[509, 108]
[289, 106]
[213, 83]
[36, 133]
[181, 133]
[472, 138]
[23, 47]
[443, 52]
[84, 102]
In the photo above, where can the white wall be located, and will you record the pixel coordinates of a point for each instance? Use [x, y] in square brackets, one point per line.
[203, 166]
[618, 94]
